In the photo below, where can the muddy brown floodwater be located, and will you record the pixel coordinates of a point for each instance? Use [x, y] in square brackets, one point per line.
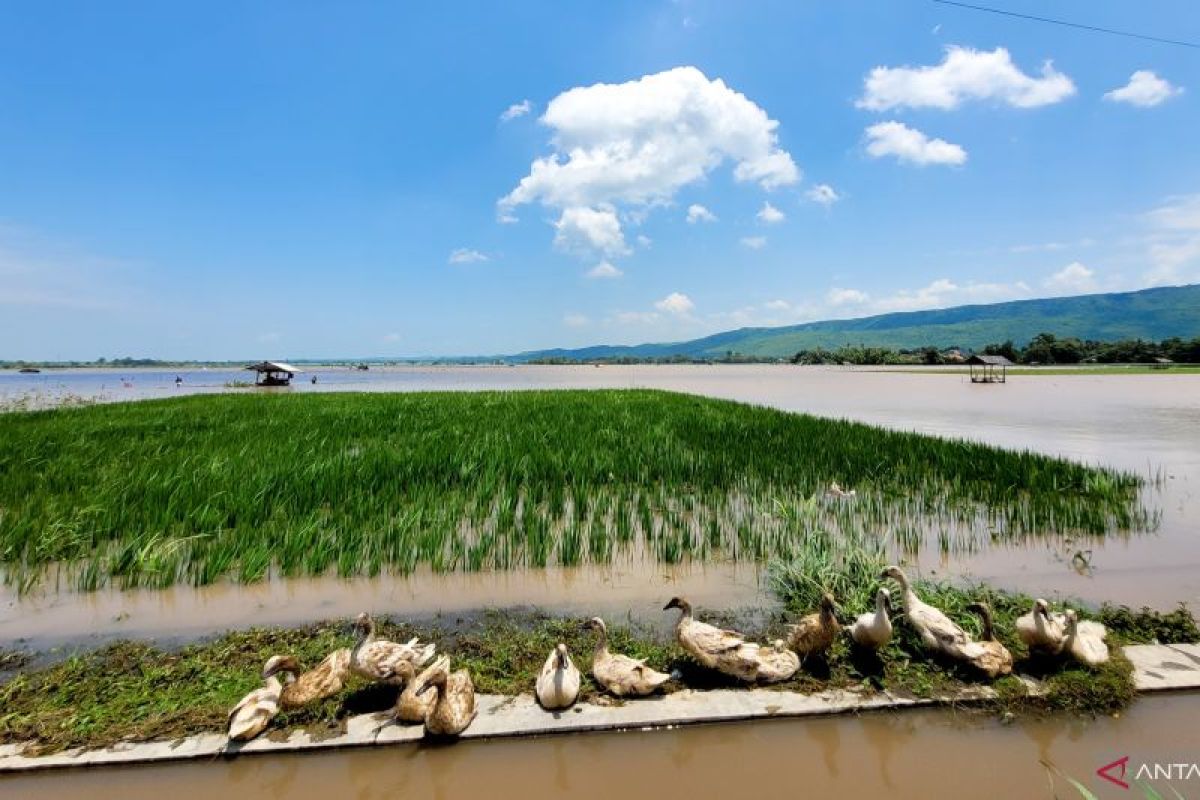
[917, 754]
[1146, 423]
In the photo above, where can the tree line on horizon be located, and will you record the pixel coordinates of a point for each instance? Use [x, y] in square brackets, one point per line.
[1045, 348]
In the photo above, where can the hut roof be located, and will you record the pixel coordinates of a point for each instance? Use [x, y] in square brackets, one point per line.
[995, 361]
[272, 366]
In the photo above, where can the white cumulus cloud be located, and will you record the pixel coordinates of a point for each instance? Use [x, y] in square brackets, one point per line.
[1144, 89]
[637, 143]
[770, 215]
[964, 74]
[1074, 277]
[465, 255]
[754, 242]
[698, 213]
[516, 110]
[846, 297]
[676, 303]
[824, 194]
[590, 230]
[604, 270]
[911, 146]
[575, 320]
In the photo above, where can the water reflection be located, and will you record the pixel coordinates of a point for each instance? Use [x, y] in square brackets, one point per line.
[917, 754]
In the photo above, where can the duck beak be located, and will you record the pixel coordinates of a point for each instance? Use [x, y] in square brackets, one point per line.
[424, 687]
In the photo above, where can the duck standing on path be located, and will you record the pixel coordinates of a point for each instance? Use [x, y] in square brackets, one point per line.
[324, 680]
[725, 651]
[873, 630]
[454, 707]
[255, 711]
[937, 631]
[376, 659]
[815, 633]
[558, 683]
[619, 674]
[988, 655]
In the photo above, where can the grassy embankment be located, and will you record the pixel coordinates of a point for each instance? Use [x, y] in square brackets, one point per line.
[133, 691]
[201, 488]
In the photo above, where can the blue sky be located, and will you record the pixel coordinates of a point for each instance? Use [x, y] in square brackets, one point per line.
[298, 179]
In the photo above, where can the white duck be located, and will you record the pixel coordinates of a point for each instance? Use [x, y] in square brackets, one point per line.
[619, 674]
[873, 630]
[1040, 630]
[777, 663]
[937, 631]
[255, 711]
[722, 650]
[558, 682]
[1085, 645]
[376, 659]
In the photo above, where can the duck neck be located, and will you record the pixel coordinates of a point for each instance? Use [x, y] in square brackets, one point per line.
[601, 649]
[989, 634]
[907, 596]
[881, 606]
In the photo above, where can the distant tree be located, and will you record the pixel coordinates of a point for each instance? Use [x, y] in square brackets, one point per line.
[1006, 349]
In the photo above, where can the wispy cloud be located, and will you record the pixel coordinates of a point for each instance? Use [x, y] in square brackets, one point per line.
[465, 255]
[516, 110]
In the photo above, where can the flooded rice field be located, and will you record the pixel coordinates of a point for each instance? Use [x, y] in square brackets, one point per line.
[917, 754]
[1144, 423]
[1149, 424]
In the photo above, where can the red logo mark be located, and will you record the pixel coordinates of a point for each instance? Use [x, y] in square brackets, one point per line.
[1120, 763]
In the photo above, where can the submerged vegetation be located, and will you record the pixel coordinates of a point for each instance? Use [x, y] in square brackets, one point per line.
[199, 488]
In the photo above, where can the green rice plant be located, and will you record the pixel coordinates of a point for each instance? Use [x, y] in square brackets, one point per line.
[202, 488]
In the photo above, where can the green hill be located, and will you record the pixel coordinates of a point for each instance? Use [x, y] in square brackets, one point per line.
[1147, 314]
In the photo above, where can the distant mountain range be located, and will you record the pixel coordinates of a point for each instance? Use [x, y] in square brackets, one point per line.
[1147, 314]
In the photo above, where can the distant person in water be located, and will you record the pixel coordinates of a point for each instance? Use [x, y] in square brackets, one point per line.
[314, 380]
[178, 381]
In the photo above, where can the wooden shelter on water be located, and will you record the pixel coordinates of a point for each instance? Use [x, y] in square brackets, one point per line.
[273, 373]
[989, 369]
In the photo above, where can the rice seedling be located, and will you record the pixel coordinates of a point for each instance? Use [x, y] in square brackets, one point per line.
[204, 488]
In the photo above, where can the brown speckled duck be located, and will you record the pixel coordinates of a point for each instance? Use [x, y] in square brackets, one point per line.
[376, 659]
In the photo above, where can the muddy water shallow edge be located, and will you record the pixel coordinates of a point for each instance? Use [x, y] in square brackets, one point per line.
[917, 754]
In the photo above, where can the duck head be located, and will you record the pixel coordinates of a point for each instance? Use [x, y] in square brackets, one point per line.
[680, 603]
[895, 573]
[883, 599]
[1040, 606]
[560, 656]
[363, 624]
[277, 664]
[595, 624]
[437, 678]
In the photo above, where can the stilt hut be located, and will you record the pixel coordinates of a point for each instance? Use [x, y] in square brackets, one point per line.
[988, 369]
[273, 373]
